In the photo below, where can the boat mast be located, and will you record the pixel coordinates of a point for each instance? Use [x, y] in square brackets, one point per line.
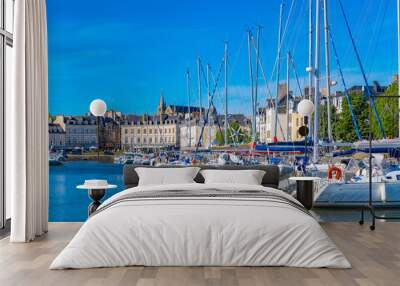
[199, 85]
[226, 94]
[328, 73]
[310, 49]
[209, 105]
[310, 58]
[316, 84]
[287, 95]
[398, 56]
[189, 111]
[253, 131]
[257, 72]
[278, 71]
[199, 91]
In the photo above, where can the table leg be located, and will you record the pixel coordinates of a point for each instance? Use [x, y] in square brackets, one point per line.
[305, 193]
[96, 195]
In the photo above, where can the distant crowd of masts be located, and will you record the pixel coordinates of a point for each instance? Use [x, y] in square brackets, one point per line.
[313, 71]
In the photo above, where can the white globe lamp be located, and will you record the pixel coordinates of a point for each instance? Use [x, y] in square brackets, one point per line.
[98, 107]
[305, 107]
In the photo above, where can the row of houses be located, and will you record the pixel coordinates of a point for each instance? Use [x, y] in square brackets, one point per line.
[181, 126]
[167, 128]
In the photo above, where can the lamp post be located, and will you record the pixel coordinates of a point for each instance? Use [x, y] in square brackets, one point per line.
[98, 108]
[305, 108]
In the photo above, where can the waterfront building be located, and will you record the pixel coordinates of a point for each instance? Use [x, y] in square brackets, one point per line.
[309, 92]
[169, 128]
[210, 131]
[110, 132]
[178, 110]
[261, 124]
[337, 101]
[208, 138]
[115, 115]
[242, 120]
[56, 136]
[266, 119]
[80, 131]
[376, 88]
[160, 131]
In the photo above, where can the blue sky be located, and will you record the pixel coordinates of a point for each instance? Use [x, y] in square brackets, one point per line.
[127, 51]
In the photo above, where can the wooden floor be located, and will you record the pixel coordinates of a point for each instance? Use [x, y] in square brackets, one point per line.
[375, 257]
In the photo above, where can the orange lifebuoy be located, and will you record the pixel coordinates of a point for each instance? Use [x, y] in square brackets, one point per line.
[335, 170]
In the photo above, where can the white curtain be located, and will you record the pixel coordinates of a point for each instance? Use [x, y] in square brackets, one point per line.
[27, 123]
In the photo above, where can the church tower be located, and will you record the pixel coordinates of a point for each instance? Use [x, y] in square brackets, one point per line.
[161, 105]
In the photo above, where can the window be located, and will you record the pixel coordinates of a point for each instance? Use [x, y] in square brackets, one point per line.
[6, 43]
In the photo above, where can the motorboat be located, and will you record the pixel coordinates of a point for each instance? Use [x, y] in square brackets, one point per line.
[132, 158]
[363, 176]
[55, 159]
[391, 177]
[229, 159]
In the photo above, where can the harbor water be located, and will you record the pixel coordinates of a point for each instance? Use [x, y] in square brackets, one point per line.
[68, 204]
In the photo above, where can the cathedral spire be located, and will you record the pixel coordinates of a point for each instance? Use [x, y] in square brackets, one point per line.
[161, 104]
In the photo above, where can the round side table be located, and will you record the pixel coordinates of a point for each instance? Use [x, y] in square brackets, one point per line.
[305, 190]
[96, 193]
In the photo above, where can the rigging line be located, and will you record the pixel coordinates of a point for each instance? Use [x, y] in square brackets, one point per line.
[377, 41]
[365, 17]
[266, 84]
[295, 39]
[295, 75]
[359, 26]
[353, 118]
[216, 81]
[236, 58]
[374, 28]
[203, 72]
[370, 95]
[217, 91]
[257, 69]
[289, 38]
[283, 38]
[208, 110]
[212, 99]
[262, 71]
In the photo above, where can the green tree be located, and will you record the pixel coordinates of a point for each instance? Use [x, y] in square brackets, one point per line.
[343, 128]
[241, 136]
[323, 122]
[388, 109]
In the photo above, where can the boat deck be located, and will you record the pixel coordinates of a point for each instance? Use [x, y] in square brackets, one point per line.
[375, 257]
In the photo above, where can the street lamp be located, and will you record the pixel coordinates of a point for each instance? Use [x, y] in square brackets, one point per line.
[305, 108]
[98, 108]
